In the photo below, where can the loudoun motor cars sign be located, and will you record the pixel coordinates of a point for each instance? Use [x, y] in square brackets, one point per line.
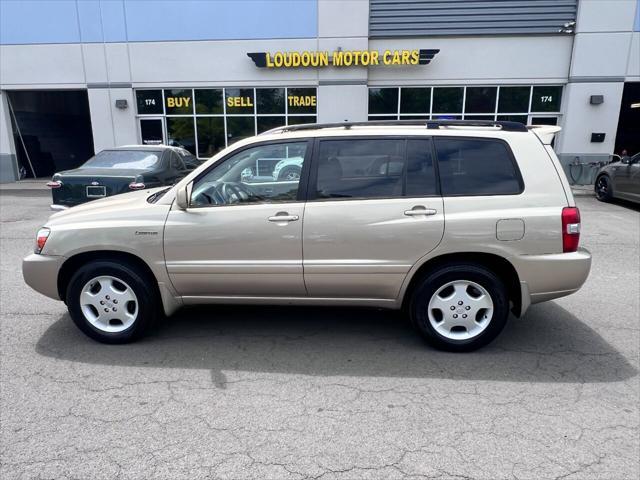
[339, 58]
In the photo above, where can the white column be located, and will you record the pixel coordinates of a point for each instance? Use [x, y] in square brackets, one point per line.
[339, 103]
[342, 92]
[111, 126]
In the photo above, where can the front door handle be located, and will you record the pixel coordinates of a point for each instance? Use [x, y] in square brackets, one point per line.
[420, 210]
[283, 217]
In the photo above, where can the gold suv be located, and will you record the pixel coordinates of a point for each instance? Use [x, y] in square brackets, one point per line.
[457, 223]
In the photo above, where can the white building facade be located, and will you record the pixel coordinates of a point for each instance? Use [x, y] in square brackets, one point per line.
[79, 76]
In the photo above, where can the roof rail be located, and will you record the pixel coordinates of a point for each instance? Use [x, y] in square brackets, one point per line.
[430, 124]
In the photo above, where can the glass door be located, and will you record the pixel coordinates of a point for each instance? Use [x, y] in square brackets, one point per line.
[152, 131]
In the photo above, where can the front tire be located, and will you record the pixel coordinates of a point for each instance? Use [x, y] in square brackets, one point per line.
[112, 302]
[459, 307]
[603, 188]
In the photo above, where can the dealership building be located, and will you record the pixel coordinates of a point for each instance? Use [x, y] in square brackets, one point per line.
[79, 76]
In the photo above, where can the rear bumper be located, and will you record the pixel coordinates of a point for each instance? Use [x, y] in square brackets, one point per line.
[40, 272]
[545, 277]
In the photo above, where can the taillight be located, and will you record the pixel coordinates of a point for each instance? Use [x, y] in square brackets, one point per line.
[136, 186]
[54, 184]
[570, 229]
[41, 239]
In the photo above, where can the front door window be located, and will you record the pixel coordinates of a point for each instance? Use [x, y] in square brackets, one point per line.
[263, 174]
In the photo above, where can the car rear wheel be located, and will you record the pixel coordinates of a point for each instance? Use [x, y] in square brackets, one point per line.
[459, 307]
[604, 191]
[111, 302]
[290, 173]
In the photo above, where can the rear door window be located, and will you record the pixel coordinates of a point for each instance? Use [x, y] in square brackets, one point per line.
[477, 166]
[360, 168]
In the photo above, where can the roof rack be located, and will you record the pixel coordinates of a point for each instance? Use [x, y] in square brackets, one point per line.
[430, 124]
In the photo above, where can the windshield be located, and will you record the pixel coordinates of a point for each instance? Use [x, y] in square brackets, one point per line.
[129, 159]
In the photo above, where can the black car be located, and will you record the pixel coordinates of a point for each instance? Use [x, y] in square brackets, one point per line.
[619, 179]
[120, 170]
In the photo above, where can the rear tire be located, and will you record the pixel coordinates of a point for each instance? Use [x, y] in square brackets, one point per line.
[290, 173]
[112, 302]
[459, 307]
[603, 188]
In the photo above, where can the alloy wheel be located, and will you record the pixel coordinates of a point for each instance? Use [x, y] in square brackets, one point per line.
[602, 187]
[460, 310]
[109, 304]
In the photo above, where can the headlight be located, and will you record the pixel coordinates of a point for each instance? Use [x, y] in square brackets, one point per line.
[41, 239]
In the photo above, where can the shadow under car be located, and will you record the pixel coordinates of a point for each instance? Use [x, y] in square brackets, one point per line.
[548, 345]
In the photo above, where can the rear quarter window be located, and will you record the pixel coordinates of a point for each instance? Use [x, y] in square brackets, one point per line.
[477, 166]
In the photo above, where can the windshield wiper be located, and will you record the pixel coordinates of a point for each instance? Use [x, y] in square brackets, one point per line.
[156, 196]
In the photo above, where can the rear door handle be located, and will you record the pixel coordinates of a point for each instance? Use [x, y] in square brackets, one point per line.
[283, 217]
[420, 211]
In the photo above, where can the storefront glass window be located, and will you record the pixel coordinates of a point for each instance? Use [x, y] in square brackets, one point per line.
[149, 102]
[221, 115]
[479, 117]
[513, 118]
[239, 128]
[514, 103]
[267, 123]
[239, 101]
[301, 100]
[415, 100]
[546, 99]
[447, 99]
[271, 100]
[180, 133]
[209, 101]
[383, 100]
[297, 120]
[514, 99]
[210, 135]
[178, 101]
[480, 99]
[382, 117]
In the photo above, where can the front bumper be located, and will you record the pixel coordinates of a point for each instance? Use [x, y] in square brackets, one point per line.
[40, 272]
[545, 277]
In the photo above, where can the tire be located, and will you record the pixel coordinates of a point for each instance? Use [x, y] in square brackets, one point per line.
[125, 304]
[485, 307]
[289, 173]
[603, 188]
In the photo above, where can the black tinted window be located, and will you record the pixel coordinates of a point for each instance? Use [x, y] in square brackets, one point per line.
[421, 178]
[476, 167]
[360, 168]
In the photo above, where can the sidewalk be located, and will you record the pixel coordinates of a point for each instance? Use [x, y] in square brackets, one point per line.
[32, 186]
[29, 184]
[582, 190]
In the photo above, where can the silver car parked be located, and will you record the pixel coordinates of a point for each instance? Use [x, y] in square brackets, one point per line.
[457, 223]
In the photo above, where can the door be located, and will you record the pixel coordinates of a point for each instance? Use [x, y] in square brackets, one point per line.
[374, 210]
[152, 131]
[627, 178]
[241, 236]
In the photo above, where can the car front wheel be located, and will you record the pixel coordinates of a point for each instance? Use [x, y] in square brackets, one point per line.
[460, 307]
[111, 302]
[603, 188]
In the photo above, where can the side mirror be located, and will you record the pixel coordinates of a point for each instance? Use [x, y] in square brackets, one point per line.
[182, 197]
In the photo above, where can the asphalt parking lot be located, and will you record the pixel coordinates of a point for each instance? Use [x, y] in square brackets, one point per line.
[325, 393]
